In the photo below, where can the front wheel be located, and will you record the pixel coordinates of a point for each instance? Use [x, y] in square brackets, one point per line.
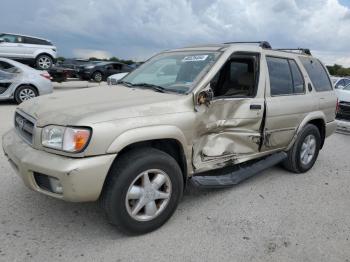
[97, 76]
[143, 190]
[304, 152]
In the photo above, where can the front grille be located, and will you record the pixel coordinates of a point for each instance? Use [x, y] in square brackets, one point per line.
[344, 107]
[24, 127]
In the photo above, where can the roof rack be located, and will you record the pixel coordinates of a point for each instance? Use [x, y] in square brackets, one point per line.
[304, 51]
[262, 44]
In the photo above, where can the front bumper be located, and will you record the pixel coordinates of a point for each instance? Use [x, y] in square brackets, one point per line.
[343, 126]
[82, 179]
[85, 75]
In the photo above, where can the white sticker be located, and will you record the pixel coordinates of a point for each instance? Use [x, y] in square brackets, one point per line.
[195, 58]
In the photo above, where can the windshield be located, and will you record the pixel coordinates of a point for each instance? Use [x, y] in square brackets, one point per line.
[173, 72]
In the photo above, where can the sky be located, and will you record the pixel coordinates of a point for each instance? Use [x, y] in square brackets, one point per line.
[140, 28]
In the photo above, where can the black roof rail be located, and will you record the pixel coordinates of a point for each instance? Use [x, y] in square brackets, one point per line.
[262, 44]
[304, 51]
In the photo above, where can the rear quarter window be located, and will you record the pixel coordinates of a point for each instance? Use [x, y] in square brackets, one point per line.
[317, 74]
[36, 41]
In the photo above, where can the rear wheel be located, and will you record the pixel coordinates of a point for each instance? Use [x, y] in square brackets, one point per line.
[24, 93]
[143, 191]
[302, 156]
[44, 62]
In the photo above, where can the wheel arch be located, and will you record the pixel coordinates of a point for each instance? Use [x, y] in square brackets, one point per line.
[164, 138]
[26, 84]
[45, 53]
[317, 119]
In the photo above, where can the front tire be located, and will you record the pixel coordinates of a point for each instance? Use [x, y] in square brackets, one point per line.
[24, 93]
[97, 76]
[44, 62]
[143, 190]
[303, 155]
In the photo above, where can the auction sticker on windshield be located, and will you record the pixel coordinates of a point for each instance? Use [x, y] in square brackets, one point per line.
[195, 58]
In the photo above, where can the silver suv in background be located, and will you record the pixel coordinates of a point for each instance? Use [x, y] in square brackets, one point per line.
[27, 49]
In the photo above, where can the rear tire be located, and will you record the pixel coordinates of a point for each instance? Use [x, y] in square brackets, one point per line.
[25, 92]
[128, 190]
[303, 155]
[44, 62]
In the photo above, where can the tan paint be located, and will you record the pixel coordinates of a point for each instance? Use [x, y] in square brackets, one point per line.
[222, 132]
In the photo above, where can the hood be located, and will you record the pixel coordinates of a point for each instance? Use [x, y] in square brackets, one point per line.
[100, 104]
[343, 95]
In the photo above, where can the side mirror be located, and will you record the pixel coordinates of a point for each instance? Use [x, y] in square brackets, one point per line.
[205, 97]
[340, 87]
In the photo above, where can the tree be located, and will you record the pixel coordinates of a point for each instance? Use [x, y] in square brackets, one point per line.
[338, 70]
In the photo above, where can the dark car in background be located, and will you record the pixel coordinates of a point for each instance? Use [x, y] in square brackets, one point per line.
[100, 71]
[69, 68]
[76, 64]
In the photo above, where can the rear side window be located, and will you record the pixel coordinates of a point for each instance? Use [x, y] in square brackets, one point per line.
[298, 80]
[5, 65]
[285, 77]
[281, 82]
[36, 41]
[317, 73]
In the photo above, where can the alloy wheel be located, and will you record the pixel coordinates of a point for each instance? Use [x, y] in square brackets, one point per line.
[26, 94]
[148, 195]
[44, 62]
[308, 149]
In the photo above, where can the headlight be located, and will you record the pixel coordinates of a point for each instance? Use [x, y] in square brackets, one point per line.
[69, 139]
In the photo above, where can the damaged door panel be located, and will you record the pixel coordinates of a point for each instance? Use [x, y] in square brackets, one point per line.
[229, 127]
[6, 79]
[287, 102]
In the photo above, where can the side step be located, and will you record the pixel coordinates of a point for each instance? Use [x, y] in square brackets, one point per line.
[229, 176]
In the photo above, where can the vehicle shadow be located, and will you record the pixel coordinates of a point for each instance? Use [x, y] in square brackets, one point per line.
[86, 220]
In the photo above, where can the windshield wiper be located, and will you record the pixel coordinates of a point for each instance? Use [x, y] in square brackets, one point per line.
[151, 86]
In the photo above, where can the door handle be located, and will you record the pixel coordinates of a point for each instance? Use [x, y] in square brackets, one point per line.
[255, 107]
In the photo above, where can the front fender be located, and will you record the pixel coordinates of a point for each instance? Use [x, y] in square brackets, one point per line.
[145, 134]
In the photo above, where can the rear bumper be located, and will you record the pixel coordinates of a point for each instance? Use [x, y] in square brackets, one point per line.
[82, 179]
[330, 128]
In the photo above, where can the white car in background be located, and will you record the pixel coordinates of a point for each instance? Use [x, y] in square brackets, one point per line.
[28, 49]
[21, 82]
[340, 82]
[343, 110]
[113, 79]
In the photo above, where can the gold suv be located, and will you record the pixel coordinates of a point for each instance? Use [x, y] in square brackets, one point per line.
[214, 115]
